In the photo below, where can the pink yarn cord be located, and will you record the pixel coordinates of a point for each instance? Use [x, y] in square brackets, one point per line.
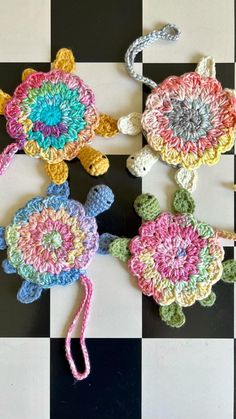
[7, 156]
[85, 305]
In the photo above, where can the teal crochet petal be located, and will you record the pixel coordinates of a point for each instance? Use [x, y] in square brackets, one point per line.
[172, 315]
[28, 292]
[229, 271]
[208, 301]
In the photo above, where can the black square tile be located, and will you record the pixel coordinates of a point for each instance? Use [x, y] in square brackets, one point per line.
[201, 322]
[10, 78]
[96, 32]
[113, 388]
[121, 218]
[158, 72]
[17, 319]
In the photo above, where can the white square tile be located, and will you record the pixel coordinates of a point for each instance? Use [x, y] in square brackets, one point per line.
[25, 378]
[116, 309]
[24, 179]
[214, 196]
[187, 378]
[207, 29]
[116, 95]
[25, 31]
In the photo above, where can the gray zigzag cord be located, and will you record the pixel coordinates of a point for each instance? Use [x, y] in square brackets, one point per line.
[169, 32]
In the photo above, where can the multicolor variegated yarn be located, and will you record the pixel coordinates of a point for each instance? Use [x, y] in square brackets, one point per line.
[53, 116]
[51, 241]
[176, 258]
[188, 120]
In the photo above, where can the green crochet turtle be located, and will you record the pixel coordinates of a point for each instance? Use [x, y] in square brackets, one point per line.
[175, 258]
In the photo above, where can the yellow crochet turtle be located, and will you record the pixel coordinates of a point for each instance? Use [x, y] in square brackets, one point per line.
[52, 116]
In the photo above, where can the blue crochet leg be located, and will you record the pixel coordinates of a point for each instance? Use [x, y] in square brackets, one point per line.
[104, 242]
[2, 239]
[8, 267]
[28, 292]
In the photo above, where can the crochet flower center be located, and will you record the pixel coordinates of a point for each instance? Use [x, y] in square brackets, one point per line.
[51, 115]
[177, 258]
[52, 240]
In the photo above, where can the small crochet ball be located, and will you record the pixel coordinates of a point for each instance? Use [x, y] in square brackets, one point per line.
[51, 241]
[175, 258]
[53, 116]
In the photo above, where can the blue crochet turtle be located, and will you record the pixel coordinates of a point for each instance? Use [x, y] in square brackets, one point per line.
[51, 241]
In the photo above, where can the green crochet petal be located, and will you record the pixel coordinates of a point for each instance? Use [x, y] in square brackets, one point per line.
[229, 271]
[172, 315]
[183, 202]
[208, 301]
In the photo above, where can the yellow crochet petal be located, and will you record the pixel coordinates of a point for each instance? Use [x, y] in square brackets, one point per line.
[168, 296]
[215, 271]
[107, 126]
[64, 60]
[32, 148]
[4, 98]
[190, 161]
[93, 161]
[27, 72]
[170, 155]
[185, 298]
[226, 141]
[203, 289]
[156, 143]
[211, 156]
[58, 173]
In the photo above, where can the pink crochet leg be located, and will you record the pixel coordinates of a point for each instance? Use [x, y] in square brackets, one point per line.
[7, 155]
[85, 305]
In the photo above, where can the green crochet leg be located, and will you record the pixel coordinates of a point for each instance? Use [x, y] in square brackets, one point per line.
[172, 315]
[183, 202]
[229, 271]
[119, 248]
[208, 301]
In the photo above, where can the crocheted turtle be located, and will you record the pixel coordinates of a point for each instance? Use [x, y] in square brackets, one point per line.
[175, 258]
[51, 241]
[188, 120]
[52, 116]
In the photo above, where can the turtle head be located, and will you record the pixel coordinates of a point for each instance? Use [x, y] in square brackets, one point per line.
[99, 199]
[147, 206]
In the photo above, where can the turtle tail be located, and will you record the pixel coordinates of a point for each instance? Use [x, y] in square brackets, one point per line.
[85, 308]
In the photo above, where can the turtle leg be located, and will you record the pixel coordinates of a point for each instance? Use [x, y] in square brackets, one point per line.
[29, 292]
[4, 98]
[27, 72]
[94, 162]
[64, 60]
[130, 124]
[172, 315]
[141, 162]
[208, 301]
[229, 271]
[2, 239]
[58, 172]
[107, 126]
[119, 248]
[183, 202]
[104, 242]
[8, 267]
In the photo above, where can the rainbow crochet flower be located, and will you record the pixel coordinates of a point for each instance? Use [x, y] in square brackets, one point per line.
[51, 240]
[52, 114]
[176, 258]
[190, 120]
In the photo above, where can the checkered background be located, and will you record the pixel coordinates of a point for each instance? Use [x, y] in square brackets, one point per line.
[140, 368]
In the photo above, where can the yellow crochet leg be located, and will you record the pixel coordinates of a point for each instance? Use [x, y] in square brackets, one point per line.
[58, 173]
[26, 73]
[93, 161]
[64, 60]
[4, 97]
[107, 126]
